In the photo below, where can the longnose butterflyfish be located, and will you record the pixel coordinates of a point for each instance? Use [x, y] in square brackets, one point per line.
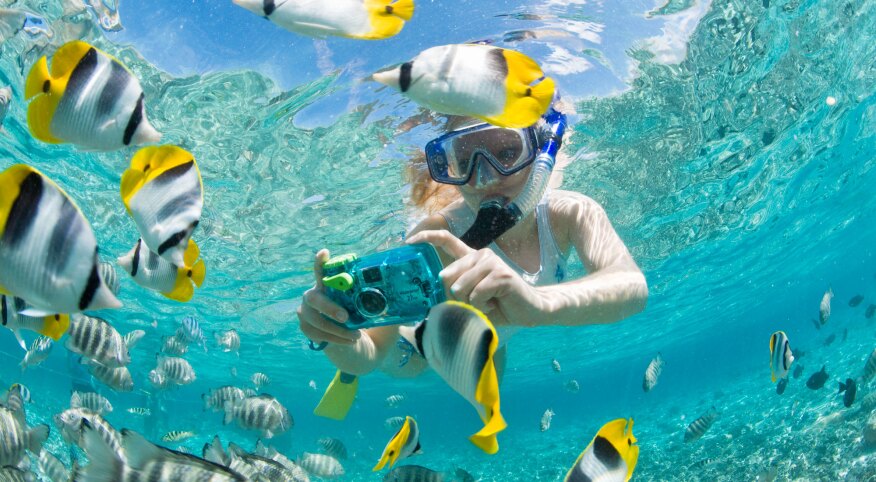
[359, 19]
[610, 457]
[89, 99]
[163, 192]
[459, 342]
[500, 86]
[155, 273]
[48, 252]
[403, 444]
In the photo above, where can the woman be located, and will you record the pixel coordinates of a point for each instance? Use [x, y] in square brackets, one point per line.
[518, 279]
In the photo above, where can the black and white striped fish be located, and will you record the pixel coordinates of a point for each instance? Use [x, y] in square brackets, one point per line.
[228, 341]
[177, 370]
[15, 437]
[88, 99]
[459, 342]
[156, 273]
[652, 373]
[394, 400]
[39, 351]
[321, 465]
[190, 331]
[298, 474]
[174, 346]
[698, 427]
[217, 397]
[260, 380]
[52, 468]
[48, 252]
[264, 413]
[177, 435]
[11, 307]
[16, 397]
[14, 474]
[333, 447]
[109, 276]
[119, 379]
[145, 461]
[266, 468]
[610, 457]
[780, 356]
[133, 337]
[91, 401]
[142, 412]
[98, 341]
[394, 423]
[415, 473]
[72, 422]
[163, 192]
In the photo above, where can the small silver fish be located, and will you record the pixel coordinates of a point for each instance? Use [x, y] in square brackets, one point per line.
[39, 351]
[556, 365]
[177, 435]
[173, 346]
[572, 386]
[176, 370]
[90, 401]
[228, 341]
[546, 419]
[218, 397]
[264, 413]
[824, 308]
[15, 438]
[96, 339]
[333, 447]
[652, 373]
[321, 465]
[698, 427]
[394, 423]
[52, 468]
[260, 380]
[143, 412]
[394, 400]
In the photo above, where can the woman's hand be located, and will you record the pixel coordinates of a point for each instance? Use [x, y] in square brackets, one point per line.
[483, 280]
[317, 310]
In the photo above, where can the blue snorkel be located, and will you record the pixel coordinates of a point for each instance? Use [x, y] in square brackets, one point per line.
[495, 217]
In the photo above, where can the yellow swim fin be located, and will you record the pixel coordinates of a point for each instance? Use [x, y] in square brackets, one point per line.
[54, 326]
[524, 102]
[395, 445]
[338, 397]
[387, 19]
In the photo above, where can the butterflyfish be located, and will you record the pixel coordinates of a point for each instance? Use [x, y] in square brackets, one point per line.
[780, 355]
[610, 457]
[48, 252]
[403, 444]
[459, 343]
[358, 19]
[164, 194]
[88, 99]
[155, 273]
[500, 86]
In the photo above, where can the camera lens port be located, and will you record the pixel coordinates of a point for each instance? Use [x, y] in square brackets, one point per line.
[371, 302]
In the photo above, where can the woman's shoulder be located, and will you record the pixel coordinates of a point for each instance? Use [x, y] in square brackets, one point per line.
[569, 212]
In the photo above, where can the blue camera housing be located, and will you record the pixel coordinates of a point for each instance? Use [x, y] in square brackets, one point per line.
[385, 288]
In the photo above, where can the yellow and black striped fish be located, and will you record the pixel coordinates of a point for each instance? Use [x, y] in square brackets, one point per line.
[500, 86]
[459, 342]
[155, 273]
[89, 99]
[610, 457]
[163, 192]
[48, 252]
[403, 444]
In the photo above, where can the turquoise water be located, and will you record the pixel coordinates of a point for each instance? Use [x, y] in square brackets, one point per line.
[732, 144]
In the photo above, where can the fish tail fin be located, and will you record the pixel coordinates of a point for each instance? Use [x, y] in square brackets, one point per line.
[192, 253]
[524, 102]
[183, 290]
[403, 9]
[199, 272]
[37, 437]
[488, 395]
[842, 387]
[37, 78]
[54, 326]
[386, 19]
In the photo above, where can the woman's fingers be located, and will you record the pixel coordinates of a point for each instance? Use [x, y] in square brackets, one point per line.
[321, 257]
[319, 301]
[443, 240]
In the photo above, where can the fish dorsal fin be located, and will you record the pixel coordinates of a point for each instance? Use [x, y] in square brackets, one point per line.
[10, 188]
[149, 163]
[139, 450]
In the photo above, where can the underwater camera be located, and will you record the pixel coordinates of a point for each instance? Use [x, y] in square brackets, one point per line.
[385, 288]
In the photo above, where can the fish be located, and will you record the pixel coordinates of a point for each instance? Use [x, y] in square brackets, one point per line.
[610, 457]
[14, 474]
[798, 370]
[572, 386]
[5, 102]
[164, 194]
[96, 339]
[159, 380]
[264, 413]
[132, 338]
[394, 400]
[556, 366]
[394, 423]
[52, 326]
[71, 423]
[174, 346]
[546, 419]
[16, 397]
[475, 80]
[871, 310]
[176, 370]
[698, 427]
[52, 468]
[48, 252]
[157, 274]
[39, 351]
[856, 300]
[190, 331]
[91, 401]
[781, 356]
[830, 339]
[260, 380]
[176, 436]
[312, 385]
[459, 343]
[109, 276]
[851, 389]
[228, 341]
[869, 367]
[824, 307]
[652, 373]
[780, 387]
[404, 444]
[119, 379]
[264, 468]
[142, 412]
[333, 447]
[298, 474]
[414, 473]
[16, 438]
[89, 99]
[356, 19]
[142, 457]
[817, 379]
[217, 397]
[321, 465]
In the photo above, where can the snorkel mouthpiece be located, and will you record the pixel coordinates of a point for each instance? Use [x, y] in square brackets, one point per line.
[496, 215]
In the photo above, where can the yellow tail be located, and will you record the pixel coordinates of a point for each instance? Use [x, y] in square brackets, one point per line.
[183, 289]
[54, 326]
[524, 103]
[403, 9]
[386, 19]
[199, 272]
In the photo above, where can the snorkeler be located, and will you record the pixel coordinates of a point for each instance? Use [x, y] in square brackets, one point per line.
[504, 239]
